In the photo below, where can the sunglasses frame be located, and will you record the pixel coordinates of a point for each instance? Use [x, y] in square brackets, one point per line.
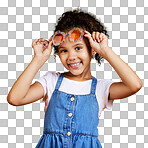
[69, 34]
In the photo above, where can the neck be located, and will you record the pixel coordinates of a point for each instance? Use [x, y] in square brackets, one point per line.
[78, 77]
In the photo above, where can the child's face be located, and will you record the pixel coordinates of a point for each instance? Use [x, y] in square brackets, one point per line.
[71, 53]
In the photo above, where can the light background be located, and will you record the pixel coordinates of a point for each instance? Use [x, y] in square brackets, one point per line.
[126, 125]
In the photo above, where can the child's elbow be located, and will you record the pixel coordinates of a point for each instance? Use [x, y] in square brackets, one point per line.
[11, 101]
[139, 86]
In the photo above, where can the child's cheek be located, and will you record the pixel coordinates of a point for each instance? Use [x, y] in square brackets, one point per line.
[85, 55]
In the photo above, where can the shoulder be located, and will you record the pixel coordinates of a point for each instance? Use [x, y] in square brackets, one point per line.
[102, 94]
[51, 75]
[103, 83]
[103, 86]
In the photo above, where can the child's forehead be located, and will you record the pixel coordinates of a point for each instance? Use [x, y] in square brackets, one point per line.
[70, 43]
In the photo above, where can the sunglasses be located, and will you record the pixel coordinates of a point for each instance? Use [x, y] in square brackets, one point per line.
[75, 35]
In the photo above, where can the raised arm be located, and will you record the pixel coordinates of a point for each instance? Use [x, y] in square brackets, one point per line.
[22, 92]
[131, 83]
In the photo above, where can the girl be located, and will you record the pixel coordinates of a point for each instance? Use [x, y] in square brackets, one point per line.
[74, 99]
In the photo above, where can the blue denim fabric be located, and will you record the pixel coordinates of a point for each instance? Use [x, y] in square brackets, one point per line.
[75, 130]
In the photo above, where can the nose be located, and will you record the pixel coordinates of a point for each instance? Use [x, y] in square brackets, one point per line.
[72, 55]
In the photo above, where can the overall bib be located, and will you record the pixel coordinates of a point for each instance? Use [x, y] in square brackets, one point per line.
[71, 120]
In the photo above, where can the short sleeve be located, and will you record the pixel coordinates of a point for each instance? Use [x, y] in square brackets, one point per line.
[104, 86]
[43, 81]
[48, 81]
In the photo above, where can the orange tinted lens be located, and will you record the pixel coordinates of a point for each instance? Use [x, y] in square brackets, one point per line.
[75, 34]
[58, 38]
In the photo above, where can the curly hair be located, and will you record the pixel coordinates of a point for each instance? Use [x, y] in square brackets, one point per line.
[82, 19]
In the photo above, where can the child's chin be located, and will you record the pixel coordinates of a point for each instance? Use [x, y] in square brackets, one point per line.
[75, 72]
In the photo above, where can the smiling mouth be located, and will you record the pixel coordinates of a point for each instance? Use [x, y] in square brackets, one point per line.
[75, 66]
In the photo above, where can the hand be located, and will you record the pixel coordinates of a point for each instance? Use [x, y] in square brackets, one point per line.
[42, 48]
[98, 42]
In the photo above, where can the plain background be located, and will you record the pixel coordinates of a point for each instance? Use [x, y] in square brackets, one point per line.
[22, 21]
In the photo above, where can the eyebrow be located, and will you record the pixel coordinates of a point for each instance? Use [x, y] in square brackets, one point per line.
[72, 46]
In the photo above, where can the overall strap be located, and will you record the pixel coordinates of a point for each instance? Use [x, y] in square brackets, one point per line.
[93, 85]
[59, 81]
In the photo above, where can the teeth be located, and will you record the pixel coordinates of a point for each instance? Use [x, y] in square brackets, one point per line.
[74, 64]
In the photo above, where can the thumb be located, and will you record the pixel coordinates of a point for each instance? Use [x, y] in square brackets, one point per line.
[50, 38]
[88, 35]
[50, 44]
[48, 49]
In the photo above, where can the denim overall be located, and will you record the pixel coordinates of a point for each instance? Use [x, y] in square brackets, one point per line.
[71, 120]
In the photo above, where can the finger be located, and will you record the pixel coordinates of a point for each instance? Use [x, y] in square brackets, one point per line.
[48, 50]
[93, 36]
[45, 43]
[41, 39]
[34, 42]
[86, 32]
[102, 36]
[38, 43]
[97, 36]
[50, 44]
[89, 36]
[50, 39]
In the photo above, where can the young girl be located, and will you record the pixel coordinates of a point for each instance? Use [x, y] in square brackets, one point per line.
[74, 99]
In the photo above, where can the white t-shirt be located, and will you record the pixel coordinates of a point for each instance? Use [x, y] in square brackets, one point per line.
[49, 81]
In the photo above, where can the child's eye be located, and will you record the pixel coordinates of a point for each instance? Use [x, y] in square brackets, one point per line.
[62, 51]
[78, 48]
